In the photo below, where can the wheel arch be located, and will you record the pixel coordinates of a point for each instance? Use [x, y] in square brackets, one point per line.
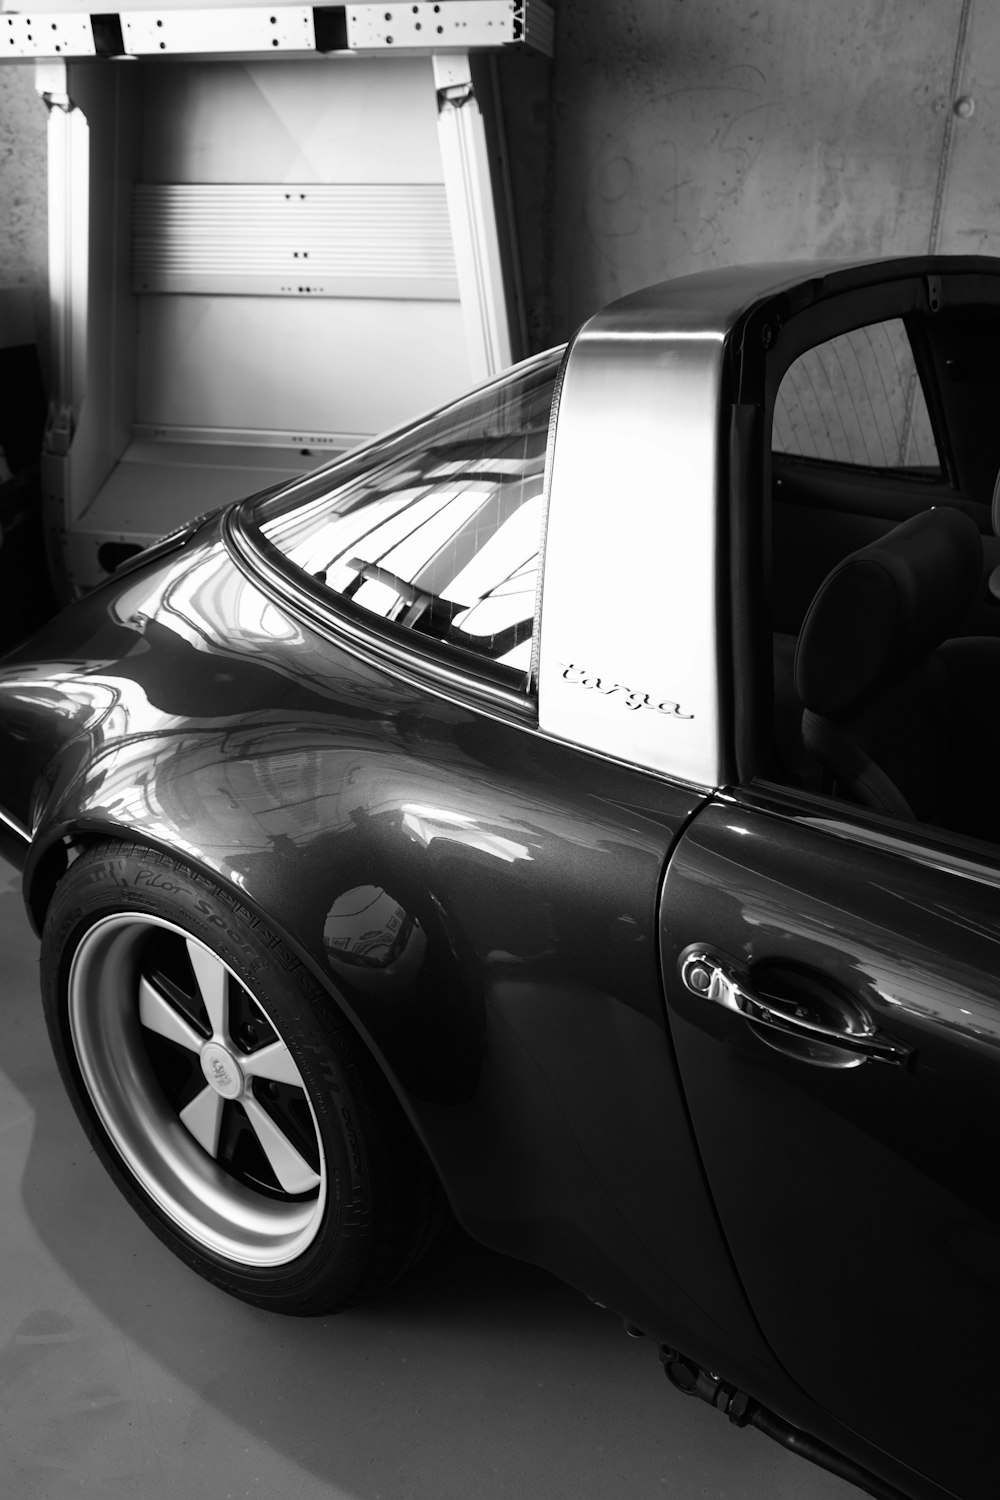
[54, 850]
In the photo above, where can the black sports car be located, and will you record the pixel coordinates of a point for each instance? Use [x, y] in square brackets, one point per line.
[577, 813]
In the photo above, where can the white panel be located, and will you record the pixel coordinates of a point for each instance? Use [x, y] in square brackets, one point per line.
[93, 151]
[327, 366]
[247, 29]
[156, 487]
[69, 258]
[465, 159]
[101, 7]
[51, 35]
[357, 120]
[301, 239]
[449, 23]
[263, 440]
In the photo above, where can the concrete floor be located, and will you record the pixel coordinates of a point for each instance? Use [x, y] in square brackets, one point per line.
[122, 1374]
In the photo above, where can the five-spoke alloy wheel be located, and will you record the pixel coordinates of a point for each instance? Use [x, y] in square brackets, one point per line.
[225, 1092]
[195, 1088]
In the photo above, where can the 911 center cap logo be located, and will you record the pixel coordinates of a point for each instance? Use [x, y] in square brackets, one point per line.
[222, 1070]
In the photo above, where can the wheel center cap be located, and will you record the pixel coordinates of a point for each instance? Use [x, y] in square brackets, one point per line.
[222, 1070]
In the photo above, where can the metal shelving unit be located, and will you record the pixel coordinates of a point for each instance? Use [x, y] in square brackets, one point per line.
[273, 232]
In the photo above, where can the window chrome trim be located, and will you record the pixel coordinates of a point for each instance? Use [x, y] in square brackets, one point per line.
[550, 447]
[439, 667]
[421, 669]
[428, 662]
[377, 450]
[15, 826]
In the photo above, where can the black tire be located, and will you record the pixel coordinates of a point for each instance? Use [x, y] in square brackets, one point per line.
[226, 1095]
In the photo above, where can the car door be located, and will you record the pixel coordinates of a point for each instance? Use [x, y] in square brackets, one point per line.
[856, 1182]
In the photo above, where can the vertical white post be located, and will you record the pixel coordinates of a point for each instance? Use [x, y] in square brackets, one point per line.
[464, 155]
[69, 215]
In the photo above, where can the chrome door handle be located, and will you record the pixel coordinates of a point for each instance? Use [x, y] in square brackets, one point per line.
[711, 978]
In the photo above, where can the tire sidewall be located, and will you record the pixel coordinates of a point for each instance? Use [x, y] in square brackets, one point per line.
[121, 879]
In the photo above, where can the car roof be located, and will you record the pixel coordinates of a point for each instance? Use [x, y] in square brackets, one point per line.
[708, 303]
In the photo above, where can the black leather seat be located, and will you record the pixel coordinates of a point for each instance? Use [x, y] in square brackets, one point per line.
[901, 716]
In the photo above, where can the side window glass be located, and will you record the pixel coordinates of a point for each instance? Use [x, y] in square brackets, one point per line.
[443, 536]
[857, 400]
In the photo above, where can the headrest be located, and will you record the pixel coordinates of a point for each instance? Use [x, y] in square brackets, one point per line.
[885, 608]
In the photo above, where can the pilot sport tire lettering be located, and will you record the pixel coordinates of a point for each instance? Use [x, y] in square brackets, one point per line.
[228, 1098]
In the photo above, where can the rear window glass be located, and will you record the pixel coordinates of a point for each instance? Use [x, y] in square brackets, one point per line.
[857, 399]
[440, 530]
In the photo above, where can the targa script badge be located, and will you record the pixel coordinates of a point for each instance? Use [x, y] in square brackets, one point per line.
[579, 677]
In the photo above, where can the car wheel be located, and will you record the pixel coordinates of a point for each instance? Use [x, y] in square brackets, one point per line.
[226, 1095]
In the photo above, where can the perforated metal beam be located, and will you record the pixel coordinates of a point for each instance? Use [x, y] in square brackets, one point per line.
[150, 29]
[285, 28]
[465, 24]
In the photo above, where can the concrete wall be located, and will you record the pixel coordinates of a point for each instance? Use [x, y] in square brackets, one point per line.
[23, 209]
[692, 133]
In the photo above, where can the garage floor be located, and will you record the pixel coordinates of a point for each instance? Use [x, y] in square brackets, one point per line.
[124, 1375]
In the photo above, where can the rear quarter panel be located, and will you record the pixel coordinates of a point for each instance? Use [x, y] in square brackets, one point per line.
[479, 899]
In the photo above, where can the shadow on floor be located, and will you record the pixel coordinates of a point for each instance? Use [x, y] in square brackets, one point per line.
[475, 1376]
